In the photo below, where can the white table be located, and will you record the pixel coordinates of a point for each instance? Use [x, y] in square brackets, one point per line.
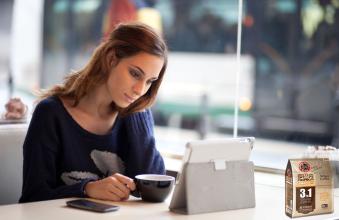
[269, 205]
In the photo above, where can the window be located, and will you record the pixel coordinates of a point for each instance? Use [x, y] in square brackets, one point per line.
[289, 68]
[5, 27]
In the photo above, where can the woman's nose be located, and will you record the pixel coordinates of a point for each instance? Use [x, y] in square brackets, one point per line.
[138, 88]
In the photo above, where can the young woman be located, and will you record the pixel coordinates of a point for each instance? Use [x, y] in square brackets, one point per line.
[91, 135]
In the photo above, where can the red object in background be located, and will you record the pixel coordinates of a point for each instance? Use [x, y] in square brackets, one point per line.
[118, 11]
[248, 21]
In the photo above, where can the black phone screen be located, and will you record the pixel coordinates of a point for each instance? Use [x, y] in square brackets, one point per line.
[92, 206]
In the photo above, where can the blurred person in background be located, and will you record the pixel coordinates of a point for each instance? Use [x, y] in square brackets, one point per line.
[91, 135]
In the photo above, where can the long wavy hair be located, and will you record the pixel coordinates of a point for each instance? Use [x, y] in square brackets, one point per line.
[125, 40]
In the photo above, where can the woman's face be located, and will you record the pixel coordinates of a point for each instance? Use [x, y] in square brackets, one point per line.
[132, 77]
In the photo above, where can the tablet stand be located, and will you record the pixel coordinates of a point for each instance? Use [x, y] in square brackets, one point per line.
[214, 186]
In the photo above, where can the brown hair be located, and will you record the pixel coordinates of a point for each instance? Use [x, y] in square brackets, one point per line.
[125, 40]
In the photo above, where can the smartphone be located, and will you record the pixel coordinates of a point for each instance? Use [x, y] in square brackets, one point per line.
[91, 206]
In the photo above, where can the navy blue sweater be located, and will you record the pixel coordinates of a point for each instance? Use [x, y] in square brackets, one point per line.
[60, 157]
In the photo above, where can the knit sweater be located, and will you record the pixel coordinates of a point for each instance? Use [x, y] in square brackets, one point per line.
[60, 157]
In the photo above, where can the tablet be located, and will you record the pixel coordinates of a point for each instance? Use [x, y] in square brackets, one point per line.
[228, 149]
[218, 151]
[225, 149]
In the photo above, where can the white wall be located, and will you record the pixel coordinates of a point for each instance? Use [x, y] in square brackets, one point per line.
[26, 43]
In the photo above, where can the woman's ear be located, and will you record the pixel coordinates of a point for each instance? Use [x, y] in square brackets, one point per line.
[110, 59]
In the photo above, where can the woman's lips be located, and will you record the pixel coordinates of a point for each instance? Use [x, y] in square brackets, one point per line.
[129, 99]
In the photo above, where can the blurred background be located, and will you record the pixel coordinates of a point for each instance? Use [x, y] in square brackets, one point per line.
[289, 78]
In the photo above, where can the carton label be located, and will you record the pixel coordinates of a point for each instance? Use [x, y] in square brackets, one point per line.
[305, 199]
[308, 187]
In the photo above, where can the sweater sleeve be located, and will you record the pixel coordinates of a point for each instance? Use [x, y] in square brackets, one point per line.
[142, 155]
[41, 149]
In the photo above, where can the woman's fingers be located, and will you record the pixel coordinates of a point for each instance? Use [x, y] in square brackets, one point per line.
[118, 192]
[116, 188]
[111, 196]
[125, 180]
[120, 186]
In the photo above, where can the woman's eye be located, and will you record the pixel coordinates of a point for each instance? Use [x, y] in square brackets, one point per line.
[150, 82]
[135, 74]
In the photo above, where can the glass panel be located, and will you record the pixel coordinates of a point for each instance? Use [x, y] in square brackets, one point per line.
[71, 31]
[289, 68]
[198, 92]
[294, 44]
[194, 30]
[5, 33]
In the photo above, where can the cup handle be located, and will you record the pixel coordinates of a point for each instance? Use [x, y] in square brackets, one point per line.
[135, 192]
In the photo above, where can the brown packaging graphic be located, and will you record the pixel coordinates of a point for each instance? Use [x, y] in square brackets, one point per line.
[308, 187]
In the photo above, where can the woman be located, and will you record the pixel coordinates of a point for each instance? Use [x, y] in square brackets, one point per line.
[91, 135]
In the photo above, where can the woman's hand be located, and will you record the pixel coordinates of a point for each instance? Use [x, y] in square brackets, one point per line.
[115, 188]
[15, 109]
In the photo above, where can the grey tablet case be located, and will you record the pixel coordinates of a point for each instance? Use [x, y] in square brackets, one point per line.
[217, 185]
[206, 189]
